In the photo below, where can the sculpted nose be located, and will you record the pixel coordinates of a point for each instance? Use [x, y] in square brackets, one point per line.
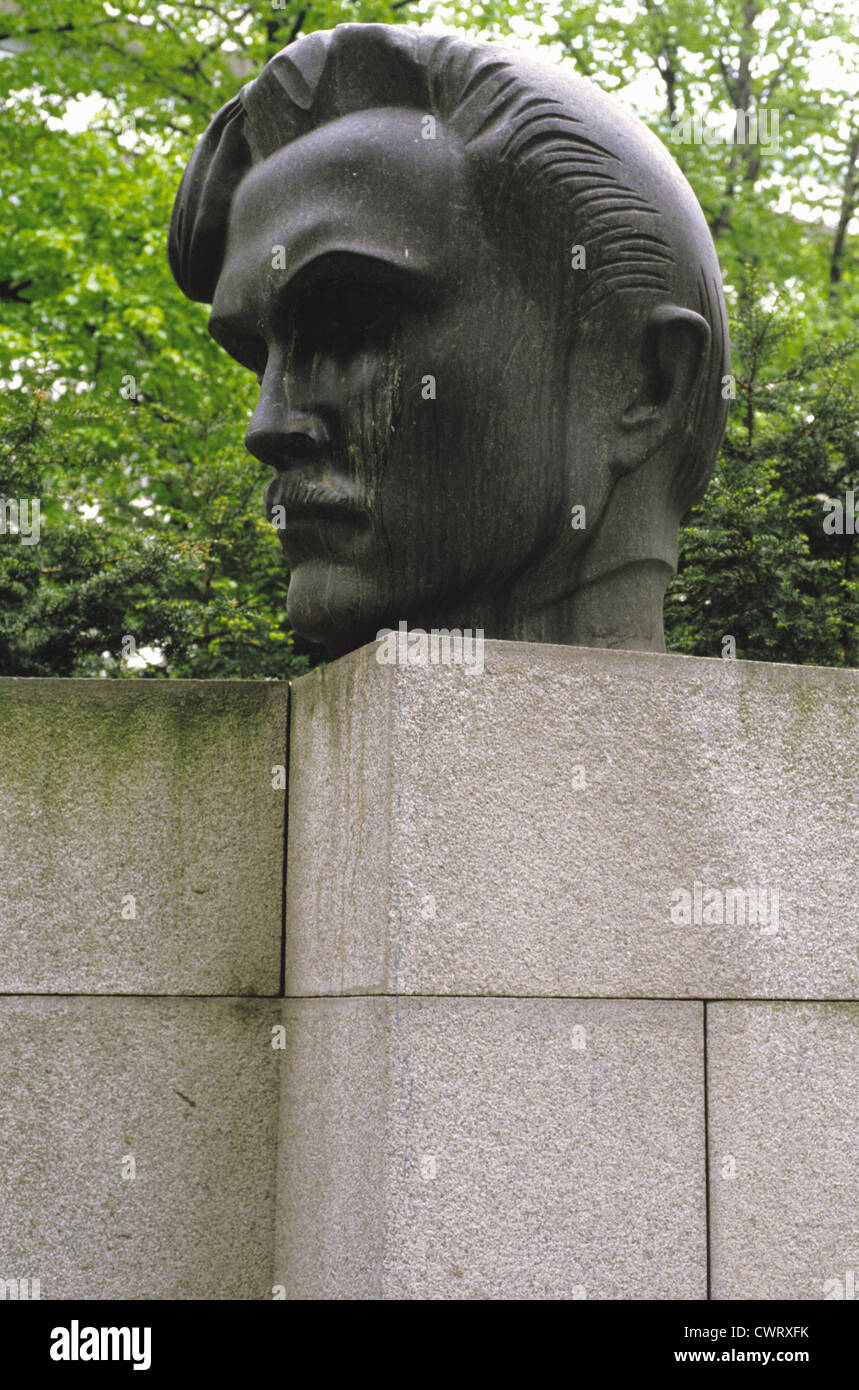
[278, 435]
[300, 435]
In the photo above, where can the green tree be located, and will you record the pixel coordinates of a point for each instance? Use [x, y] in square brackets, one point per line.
[758, 103]
[763, 562]
[120, 414]
[118, 411]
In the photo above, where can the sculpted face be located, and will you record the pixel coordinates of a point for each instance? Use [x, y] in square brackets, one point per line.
[491, 341]
[428, 431]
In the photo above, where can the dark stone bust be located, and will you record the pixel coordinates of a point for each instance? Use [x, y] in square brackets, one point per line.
[486, 316]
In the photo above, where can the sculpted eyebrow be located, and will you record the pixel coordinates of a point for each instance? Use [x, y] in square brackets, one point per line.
[248, 348]
[329, 269]
[341, 266]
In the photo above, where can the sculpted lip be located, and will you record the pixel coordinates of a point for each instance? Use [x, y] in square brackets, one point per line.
[303, 498]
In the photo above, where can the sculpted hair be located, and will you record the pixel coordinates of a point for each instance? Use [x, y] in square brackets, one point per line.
[554, 164]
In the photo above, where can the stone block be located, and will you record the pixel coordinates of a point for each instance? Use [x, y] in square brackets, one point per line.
[784, 1150]
[185, 1088]
[492, 1148]
[141, 838]
[532, 829]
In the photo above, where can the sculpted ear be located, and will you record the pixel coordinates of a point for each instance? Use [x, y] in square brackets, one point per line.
[675, 346]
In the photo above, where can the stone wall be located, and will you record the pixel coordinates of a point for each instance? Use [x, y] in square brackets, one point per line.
[141, 914]
[509, 1056]
[523, 1050]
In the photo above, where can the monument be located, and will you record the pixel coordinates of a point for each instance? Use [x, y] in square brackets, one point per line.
[534, 981]
[486, 316]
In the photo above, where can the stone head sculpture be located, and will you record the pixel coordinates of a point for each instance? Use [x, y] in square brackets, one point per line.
[486, 316]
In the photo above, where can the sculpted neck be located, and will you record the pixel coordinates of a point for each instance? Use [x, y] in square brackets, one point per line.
[620, 608]
[610, 593]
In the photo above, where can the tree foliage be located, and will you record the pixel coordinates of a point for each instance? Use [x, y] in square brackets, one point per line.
[119, 412]
[121, 415]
